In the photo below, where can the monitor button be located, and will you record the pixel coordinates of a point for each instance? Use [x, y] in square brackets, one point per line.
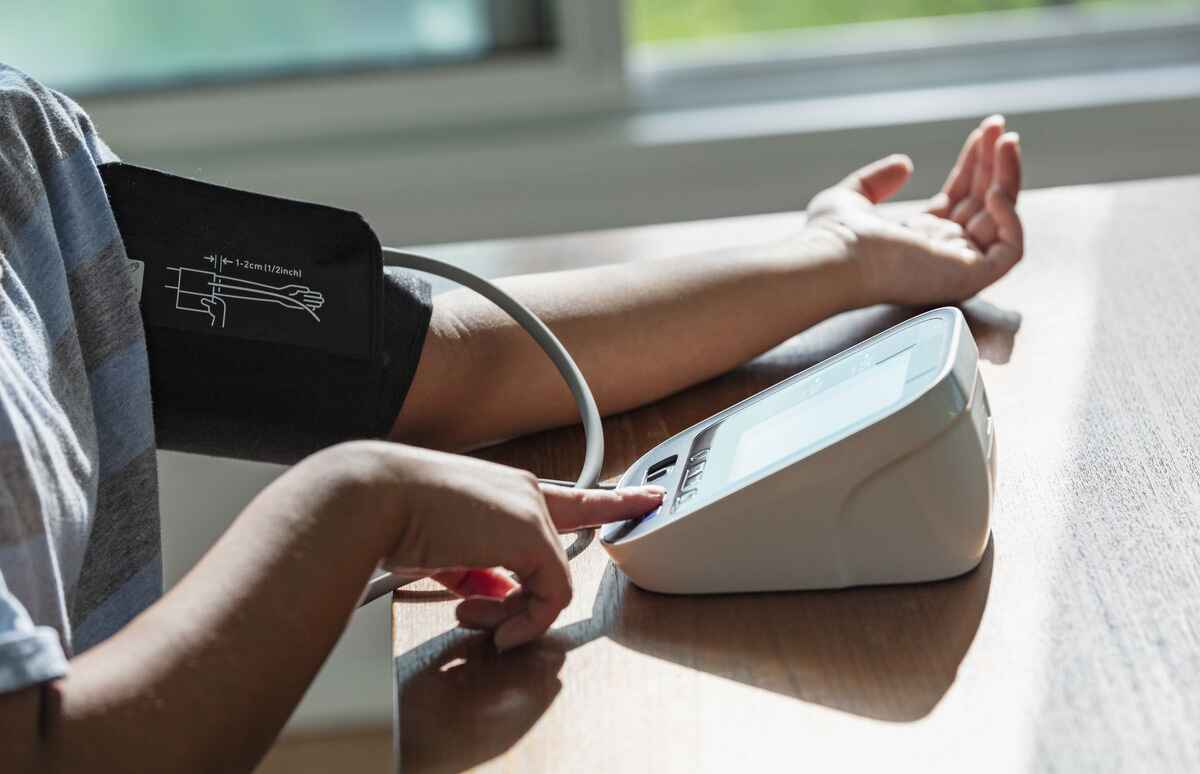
[657, 475]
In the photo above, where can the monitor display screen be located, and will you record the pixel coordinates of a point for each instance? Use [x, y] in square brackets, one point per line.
[818, 416]
[814, 410]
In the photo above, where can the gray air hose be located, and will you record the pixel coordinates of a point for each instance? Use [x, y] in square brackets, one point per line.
[589, 413]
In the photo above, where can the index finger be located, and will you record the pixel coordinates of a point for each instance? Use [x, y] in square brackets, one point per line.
[572, 509]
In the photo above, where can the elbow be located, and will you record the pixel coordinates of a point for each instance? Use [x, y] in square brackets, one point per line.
[30, 729]
[444, 408]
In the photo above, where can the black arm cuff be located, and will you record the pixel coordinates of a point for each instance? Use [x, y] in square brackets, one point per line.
[407, 308]
[271, 326]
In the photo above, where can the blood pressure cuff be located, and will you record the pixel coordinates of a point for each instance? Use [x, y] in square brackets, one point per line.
[271, 326]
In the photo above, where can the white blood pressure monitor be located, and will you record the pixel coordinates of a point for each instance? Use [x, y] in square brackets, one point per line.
[875, 466]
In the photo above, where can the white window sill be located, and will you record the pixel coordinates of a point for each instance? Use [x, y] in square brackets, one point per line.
[947, 103]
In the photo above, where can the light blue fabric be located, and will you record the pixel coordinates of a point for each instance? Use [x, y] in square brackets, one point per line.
[79, 525]
[28, 654]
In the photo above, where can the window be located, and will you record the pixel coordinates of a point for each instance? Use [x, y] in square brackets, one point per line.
[86, 46]
[581, 113]
[185, 76]
[655, 21]
[704, 53]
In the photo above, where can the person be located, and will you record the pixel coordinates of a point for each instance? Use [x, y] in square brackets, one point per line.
[100, 671]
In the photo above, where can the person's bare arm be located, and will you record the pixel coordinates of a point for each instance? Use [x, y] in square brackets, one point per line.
[203, 680]
[641, 331]
[638, 332]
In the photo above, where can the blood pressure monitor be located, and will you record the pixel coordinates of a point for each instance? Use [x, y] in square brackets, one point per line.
[874, 466]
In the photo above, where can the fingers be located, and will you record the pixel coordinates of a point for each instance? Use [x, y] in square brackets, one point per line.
[477, 583]
[963, 193]
[577, 508]
[1000, 258]
[1006, 178]
[981, 266]
[881, 179]
[998, 164]
[981, 175]
[985, 161]
[958, 182]
[529, 547]
[1004, 225]
[545, 591]
[541, 567]
[482, 613]
[545, 588]
[1008, 224]
[982, 227]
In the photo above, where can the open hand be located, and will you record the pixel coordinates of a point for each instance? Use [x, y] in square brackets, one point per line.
[967, 237]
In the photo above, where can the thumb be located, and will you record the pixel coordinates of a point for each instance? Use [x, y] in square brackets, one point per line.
[577, 508]
[881, 179]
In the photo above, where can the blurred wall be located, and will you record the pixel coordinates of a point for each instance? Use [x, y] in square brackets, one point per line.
[571, 175]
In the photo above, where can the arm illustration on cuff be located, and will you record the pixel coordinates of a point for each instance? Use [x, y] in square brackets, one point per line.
[207, 291]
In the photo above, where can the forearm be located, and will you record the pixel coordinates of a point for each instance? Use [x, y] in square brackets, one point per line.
[639, 331]
[204, 679]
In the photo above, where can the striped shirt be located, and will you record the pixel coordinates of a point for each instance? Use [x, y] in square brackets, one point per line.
[79, 527]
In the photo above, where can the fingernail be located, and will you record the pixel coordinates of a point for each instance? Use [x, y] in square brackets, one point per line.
[653, 490]
[485, 584]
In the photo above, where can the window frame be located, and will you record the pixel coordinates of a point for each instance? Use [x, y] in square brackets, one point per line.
[901, 55]
[593, 73]
[584, 73]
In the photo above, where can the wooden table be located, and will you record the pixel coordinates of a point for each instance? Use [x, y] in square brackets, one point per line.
[1074, 646]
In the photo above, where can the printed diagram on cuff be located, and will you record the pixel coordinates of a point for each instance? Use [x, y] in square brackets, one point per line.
[208, 291]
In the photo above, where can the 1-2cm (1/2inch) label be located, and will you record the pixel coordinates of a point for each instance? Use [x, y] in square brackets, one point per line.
[265, 268]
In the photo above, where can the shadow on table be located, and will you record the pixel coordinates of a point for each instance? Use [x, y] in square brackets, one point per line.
[883, 652]
[994, 328]
[461, 703]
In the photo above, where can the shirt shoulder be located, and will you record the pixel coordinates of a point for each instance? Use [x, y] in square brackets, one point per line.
[40, 124]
